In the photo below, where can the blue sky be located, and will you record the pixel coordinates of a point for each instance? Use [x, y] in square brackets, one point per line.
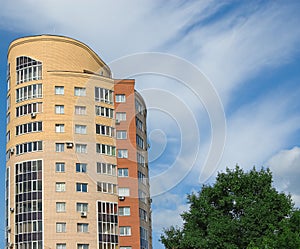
[249, 52]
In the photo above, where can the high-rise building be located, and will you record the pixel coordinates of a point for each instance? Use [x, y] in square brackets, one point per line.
[76, 170]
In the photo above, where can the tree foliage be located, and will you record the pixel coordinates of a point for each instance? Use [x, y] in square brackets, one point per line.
[241, 210]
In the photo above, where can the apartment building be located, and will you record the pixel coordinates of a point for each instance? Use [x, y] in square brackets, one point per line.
[76, 153]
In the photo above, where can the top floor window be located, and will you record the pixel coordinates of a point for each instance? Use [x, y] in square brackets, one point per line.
[104, 95]
[59, 90]
[79, 91]
[28, 69]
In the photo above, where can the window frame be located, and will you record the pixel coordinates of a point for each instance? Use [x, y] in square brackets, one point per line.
[125, 211]
[125, 231]
[59, 147]
[80, 110]
[81, 187]
[120, 98]
[122, 153]
[80, 129]
[79, 91]
[59, 90]
[123, 172]
[121, 134]
[60, 167]
[59, 109]
[61, 227]
[60, 186]
[59, 128]
[60, 207]
[81, 167]
[81, 148]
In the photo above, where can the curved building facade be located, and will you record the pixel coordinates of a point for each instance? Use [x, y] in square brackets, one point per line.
[77, 172]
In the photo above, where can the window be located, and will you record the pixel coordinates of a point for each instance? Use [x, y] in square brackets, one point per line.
[7, 102]
[59, 147]
[140, 159]
[124, 211]
[142, 196]
[61, 227]
[81, 207]
[103, 95]
[123, 172]
[28, 69]
[8, 76]
[105, 130]
[106, 168]
[125, 247]
[81, 167]
[120, 98]
[123, 191]
[121, 116]
[80, 129]
[29, 92]
[125, 231]
[7, 118]
[60, 167]
[60, 187]
[143, 214]
[106, 187]
[61, 246]
[138, 107]
[81, 187]
[79, 91]
[104, 112]
[122, 153]
[144, 238]
[81, 148]
[139, 124]
[59, 90]
[108, 224]
[7, 136]
[80, 110]
[83, 246]
[59, 109]
[142, 178]
[121, 134]
[59, 128]
[60, 207]
[29, 147]
[140, 142]
[28, 109]
[106, 149]
[29, 127]
[82, 227]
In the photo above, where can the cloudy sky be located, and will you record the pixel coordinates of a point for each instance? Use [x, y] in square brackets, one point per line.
[220, 79]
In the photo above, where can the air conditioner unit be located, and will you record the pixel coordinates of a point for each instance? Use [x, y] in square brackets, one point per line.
[8, 229]
[121, 198]
[12, 210]
[10, 245]
[83, 214]
[117, 121]
[69, 145]
[11, 150]
[33, 115]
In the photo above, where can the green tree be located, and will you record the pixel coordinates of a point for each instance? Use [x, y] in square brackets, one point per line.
[241, 210]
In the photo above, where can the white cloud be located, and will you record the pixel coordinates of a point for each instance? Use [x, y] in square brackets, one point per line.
[286, 172]
[167, 210]
[237, 47]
